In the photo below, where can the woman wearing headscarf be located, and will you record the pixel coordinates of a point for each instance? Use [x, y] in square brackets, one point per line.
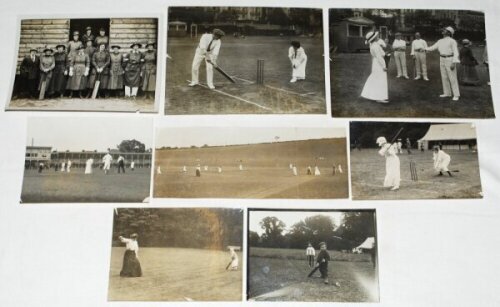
[100, 69]
[376, 87]
[47, 64]
[116, 71]
[149, 75]
[133, 70]
[79, 66]
[468, 63]
[298, 59]
[60, 72]
[392, 164]
[131, 265]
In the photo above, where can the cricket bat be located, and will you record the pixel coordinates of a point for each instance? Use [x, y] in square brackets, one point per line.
[43, 87]
[222, 72]
[227, 267]
[96, 86]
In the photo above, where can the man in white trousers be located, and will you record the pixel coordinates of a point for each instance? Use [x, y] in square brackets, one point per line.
[418, 52]
[208, 51]
[107, 162]
[449, 58]
[399, 47]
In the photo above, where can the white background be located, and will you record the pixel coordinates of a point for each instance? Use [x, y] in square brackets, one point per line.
[431, 253]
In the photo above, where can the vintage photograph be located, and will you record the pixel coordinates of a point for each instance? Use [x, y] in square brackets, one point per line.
[245, 60]
[174, 254]
[87, 160]
[312, 255]
[409, 63]
[395, 160]
[250, 162]
[83, 64]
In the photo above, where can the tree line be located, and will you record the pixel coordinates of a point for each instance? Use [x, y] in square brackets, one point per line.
[355, 227]
[205, 228]
[364, 134]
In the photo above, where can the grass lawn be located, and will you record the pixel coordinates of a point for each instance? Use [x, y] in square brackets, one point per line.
[57, 187]
[408, 98]
[176, 274]
[281, 275]
[368, 172]
[238, 57]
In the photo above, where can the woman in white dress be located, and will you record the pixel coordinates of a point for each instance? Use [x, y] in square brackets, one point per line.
[392, 165]
[441, 161]
[298, 59]
[376, 87]
[88, 166]
[316, 171]
[233, 265]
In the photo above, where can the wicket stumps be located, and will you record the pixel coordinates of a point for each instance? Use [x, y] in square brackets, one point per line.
[413, 171]
[260, 71]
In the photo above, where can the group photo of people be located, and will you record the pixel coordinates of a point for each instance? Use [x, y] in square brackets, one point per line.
[63, 63]
[409, 63]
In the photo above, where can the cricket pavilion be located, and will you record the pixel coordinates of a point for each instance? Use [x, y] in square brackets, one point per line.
[450, 137]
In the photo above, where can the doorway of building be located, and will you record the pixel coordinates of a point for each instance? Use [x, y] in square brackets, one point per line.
[82, 24]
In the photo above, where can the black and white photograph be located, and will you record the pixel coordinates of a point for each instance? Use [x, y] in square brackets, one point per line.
[312, 255]
[87, 160]
[245, 60]
[251, 162]
[395, 160]
[176, 254]
[409, 63]
[86, 64]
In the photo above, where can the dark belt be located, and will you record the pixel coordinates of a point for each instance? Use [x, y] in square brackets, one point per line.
[446, 56]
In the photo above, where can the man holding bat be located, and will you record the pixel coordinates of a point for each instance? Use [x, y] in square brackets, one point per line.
[208, 50]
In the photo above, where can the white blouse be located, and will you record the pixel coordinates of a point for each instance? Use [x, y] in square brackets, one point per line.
[131, 245]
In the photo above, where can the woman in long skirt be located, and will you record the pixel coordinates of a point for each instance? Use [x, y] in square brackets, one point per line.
[131, 265]
[133, 70]
[392, 165]
[100, 69]
[60, 72]
[298, 59]
[376, 87]
[88, 166]
[79, 66]
[233, 264]
[149, 76]
[468, 73]
[115, 82]
[47, 64]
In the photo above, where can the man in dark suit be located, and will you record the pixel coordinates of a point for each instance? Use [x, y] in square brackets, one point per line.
[29, 73]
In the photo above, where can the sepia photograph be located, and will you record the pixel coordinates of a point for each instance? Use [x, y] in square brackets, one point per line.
[245, 60]
[312, 255]
[409, 63]
[87, 160]
[250, 162]
[395, 160]
[86, 64]
[176, 254]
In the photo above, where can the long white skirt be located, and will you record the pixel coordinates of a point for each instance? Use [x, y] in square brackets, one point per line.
[376, 87]
[392, 172]
[442, 166]
[316, 171]
[300, 69]
[88, 168]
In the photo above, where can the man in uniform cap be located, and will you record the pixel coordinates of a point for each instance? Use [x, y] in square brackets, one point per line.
[418, 47]
[449, 57]
[208, 50]
[399, 47]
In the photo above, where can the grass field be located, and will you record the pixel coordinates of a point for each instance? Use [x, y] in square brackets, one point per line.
[176, 274]
[407, 98]
[76, 104]
[266, 172]
[238, 57]
[281, 275]
[368, 172]
[55, 187]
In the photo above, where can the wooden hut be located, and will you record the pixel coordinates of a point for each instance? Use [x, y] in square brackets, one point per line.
[349, 34]
[41, 33]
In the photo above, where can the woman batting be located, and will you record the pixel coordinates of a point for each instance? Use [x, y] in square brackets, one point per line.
[298, 59]
[131, 265]
[392, 164]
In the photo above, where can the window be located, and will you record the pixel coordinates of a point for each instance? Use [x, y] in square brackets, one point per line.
[354, 31]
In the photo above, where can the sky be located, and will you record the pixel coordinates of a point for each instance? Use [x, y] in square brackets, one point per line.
[217, 136]
[84, 133]
[288, 217]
